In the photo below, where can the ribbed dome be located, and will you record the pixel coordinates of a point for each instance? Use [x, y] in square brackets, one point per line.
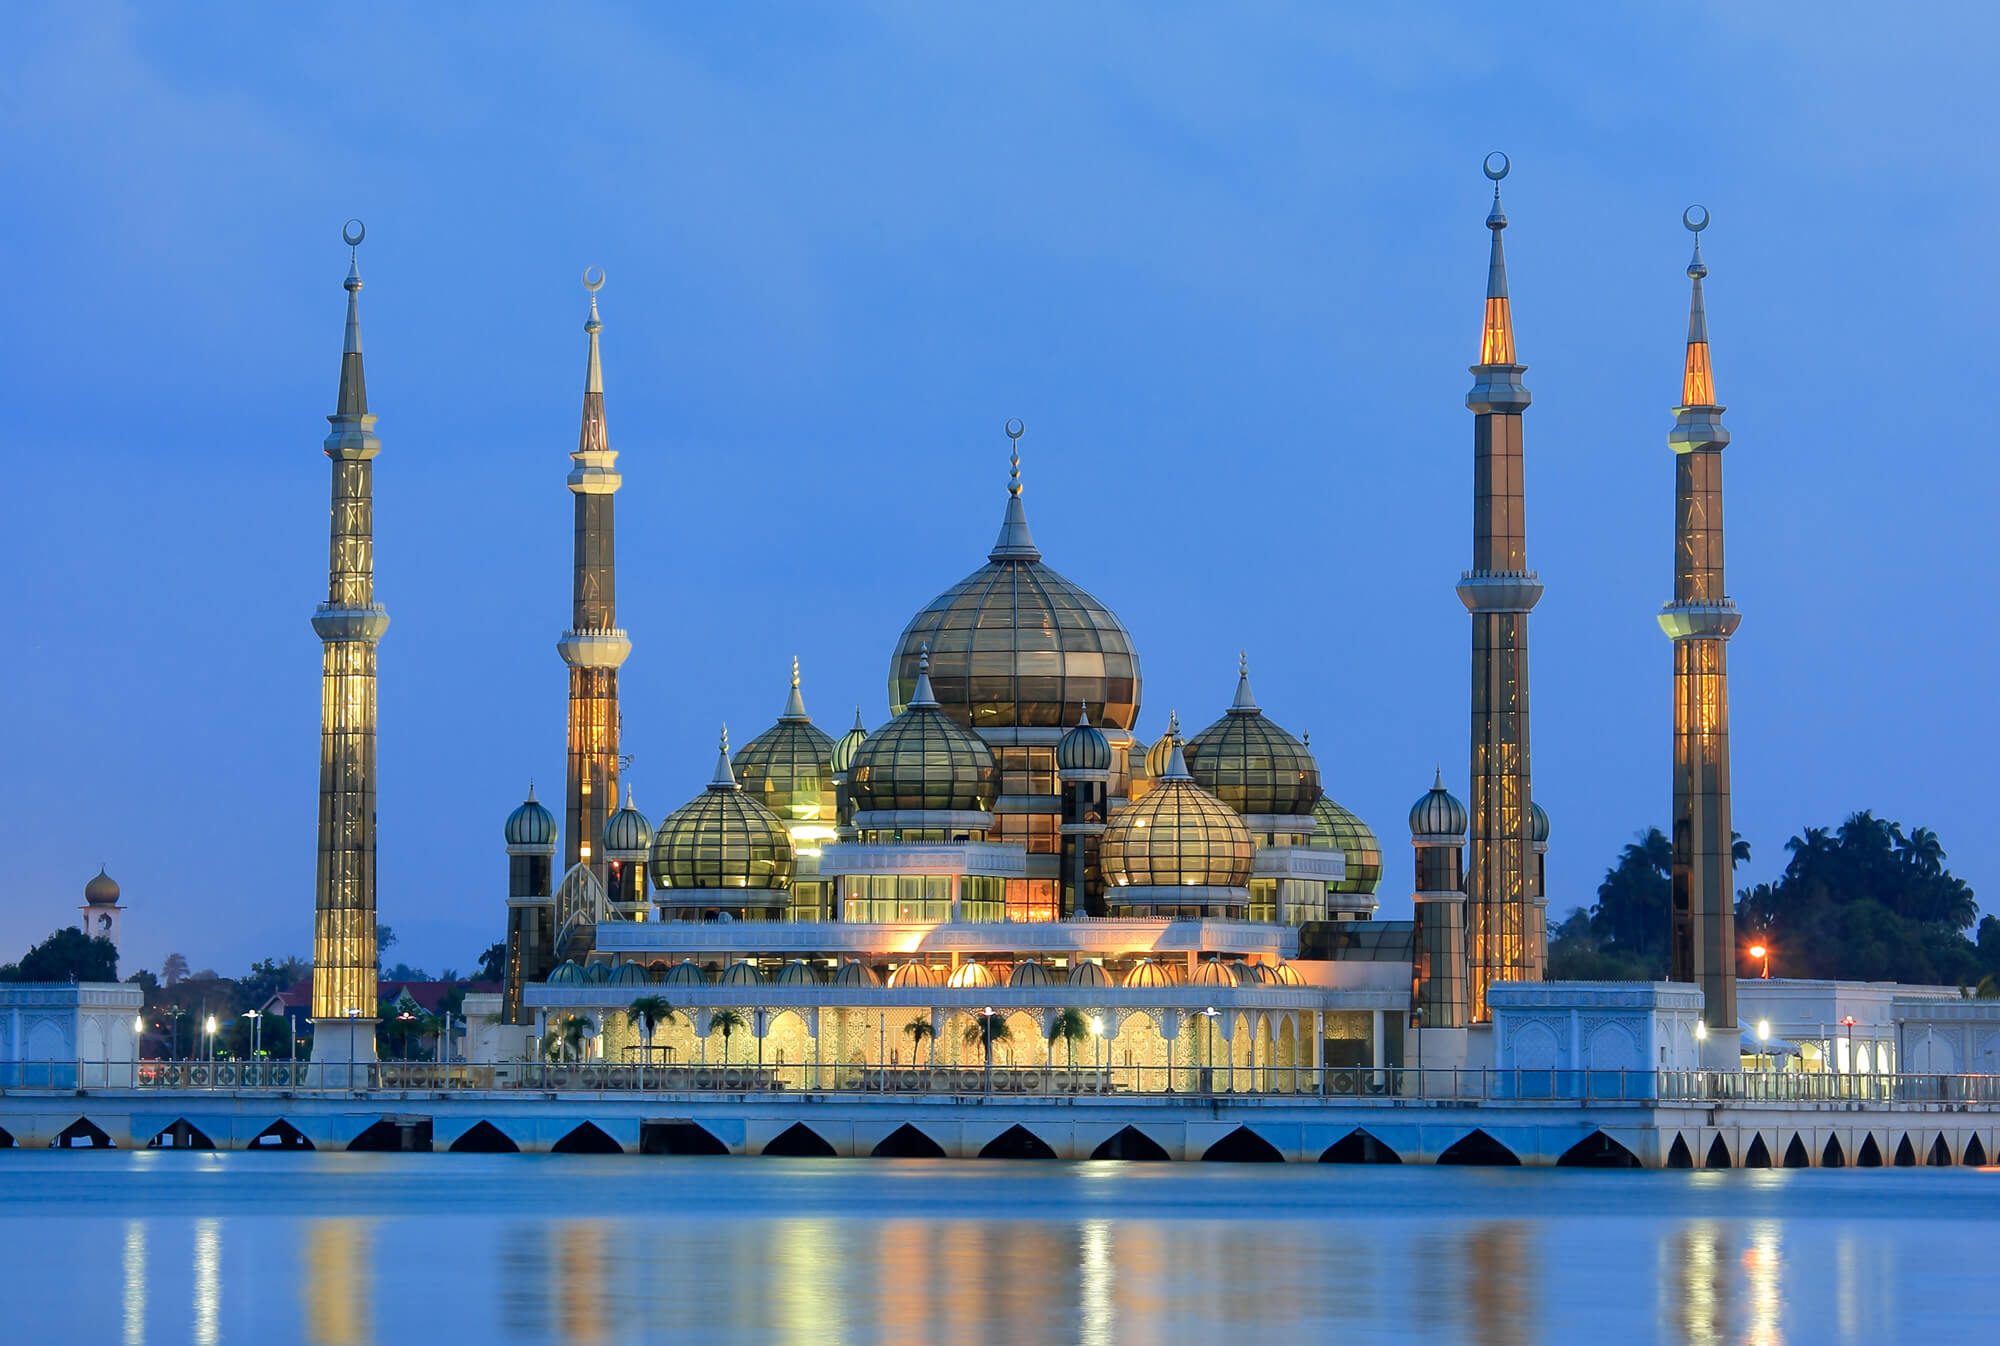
[1213, 972]
[914, 974]
[1089, 974]
[1146, 972]
[101, 891]
[1029, 972]
[1438, 813]
[798, 972]
[531, 824]
[1289, 975]
[1083, 748]
[740, 973]
[629, 974]
[722, 839]
[968, 976]
[566, 973]
[789, 767]
[1162, 752]
[1179, 835]
[1339, 830]
[923, 760]
[1014, 643]
[848, 744]
[1251, 764]
[627, 832]
[1540, 827]
[1257, 974]
[687, 972]
[854, 972]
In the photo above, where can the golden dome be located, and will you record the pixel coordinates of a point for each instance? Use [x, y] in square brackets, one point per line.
[789, 767]
[722, 838]
[1178, 836]
[914, 975]
[1016, 644]
[1146, 972]
[923, 760]
[1251, 764]
[972, 975]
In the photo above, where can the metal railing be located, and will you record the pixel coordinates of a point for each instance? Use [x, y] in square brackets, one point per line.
[1391, 1084]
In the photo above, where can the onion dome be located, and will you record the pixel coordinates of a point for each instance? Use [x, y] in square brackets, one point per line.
[1029, 972]
[567, 973]
[1162, 752]
[1539, 828]
[1213, 972]
[687, 972]
[1089, 974]
[1337, 829]
[968, 976]
[1289, 975]
[1179, 835]
[1016, 644]
[1146, 972]
[101, 891]
[1250, 763]
[531, 824]
[742, 972]
[854, 972]
[629, 974]
[798, 972]
[914, 974]
[1083, 748]
[722, 838]
[923, 760]
[597, 974]
[848, 744]
[789, 767]
[627, 832]
[1438, 813]
[1256, 974]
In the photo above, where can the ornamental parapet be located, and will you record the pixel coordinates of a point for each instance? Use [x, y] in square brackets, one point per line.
[598, 647]
[1102, 937]
[342, 624]
[1498, 388]
[1499, 590]
[1299, 862]
[1700, 621]
[996, 859]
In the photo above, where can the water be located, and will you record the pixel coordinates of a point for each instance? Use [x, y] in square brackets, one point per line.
[339, 1249]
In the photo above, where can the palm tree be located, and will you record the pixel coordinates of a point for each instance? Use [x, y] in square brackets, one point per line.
[728, 1020]
[920, 1029]
[566, 1038]
[986, 1029]
[1069, 1026]
[647, 1013]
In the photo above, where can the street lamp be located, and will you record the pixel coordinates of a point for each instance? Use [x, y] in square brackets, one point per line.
[209, 1027]
[1764, 952]
[1763, 1038]
[1848, 1024]
[1208, 1050]
[1097, 1032]
[406, 1018]
[256, 1032]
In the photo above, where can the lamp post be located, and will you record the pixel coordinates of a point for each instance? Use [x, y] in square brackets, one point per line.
[986, 1036]
[1763, 1039]
[1208, 1050]
[1848, 1023]
[256, 1032]
[1762, 951]
[1097, 1046]
[208, 1028]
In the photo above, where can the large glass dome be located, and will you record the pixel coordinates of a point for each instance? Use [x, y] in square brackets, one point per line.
[1337, 829]
[1179, 835]
[789, 767]
[1253, 765]
[1016, 644]
[722, 838]
[923, 761]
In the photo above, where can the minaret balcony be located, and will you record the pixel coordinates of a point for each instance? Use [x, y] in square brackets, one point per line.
[1498, 388]
[1697, 429]
[1499, 590]
[340, 624]
[1700, 621]
[599, 647]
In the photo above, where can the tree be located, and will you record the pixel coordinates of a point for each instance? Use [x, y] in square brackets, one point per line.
[986, 1029]
[270, 976]
[919, 1030]
[70, 955]
[1069, 1026]
[647, 1013]
[175, 969]
[404, 972]
[729, 1021]
[385, 939]
[493, 963]
[148, 984]
[566, 1038]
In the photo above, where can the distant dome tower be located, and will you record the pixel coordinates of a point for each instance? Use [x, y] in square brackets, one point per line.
[1338, 828]
[723, 853]
[100, 908]
[1179, 852]
[842, 763]
[1437, 832]
[530, 835]
[1083, 766]
[1538, 877]
[789, 770]
[628, 841]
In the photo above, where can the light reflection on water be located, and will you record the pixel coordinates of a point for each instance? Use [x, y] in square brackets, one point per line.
[345, 1250]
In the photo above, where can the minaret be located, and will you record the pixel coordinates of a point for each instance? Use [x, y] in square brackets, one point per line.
[1499, 591]
[349, 623]
[1083, 771]
[1437, 833]
[1700, 621]
[593, 647]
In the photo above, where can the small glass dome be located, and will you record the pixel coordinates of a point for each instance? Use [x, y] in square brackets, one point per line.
[854, 972]
[629, 974]
[1083, 748]
[566, 973]
[627, 832]
[924, 761]
[1250, 763]
[742, 972]
[1213, 972]
[687, 972]
[789, 767]
[1257, 974]
[848, 744]
[1089, 974]
[914, 975]
[1146, 972]
[101, 891]
[1337, 829]
[1438, 813]
[798, 972]
[971, 975]
[1539, 832]
[1029, 972]
[1179, 835]
[597, 973]
[1162, 751]
[1289, 975]
[722, 838]
[531, 824]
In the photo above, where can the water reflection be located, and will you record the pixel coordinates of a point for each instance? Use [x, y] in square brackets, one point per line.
[1501, 1289]
[135, 1283]
[207, 1282]
[337, 1282]
[1098, 1283]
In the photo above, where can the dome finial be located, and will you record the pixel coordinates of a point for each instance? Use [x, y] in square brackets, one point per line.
[352, 399]
[531, 789]
[1083, 714]
[795, 704]
[1015, 542]
[1698, 376]
[1246, 700]
[923, 695]
[725, 775]
[1496, 342]
[593, 438]
[857, 718]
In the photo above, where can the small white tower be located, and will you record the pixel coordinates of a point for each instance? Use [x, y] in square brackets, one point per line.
[100, 908]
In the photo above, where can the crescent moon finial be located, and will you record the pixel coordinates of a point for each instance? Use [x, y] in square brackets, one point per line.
[593, 285]
[1016, 427]
[1506, 166]
[1688, 219]
[353, 232]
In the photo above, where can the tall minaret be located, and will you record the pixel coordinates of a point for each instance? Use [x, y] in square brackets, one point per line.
[1700, 621]
[1499, 591]
[593, 647]
[349, 624]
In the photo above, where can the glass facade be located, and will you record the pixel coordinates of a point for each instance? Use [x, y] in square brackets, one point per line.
[1176, 836]
[920, 897]
[1254, 766]
[1039, 832]
[923, 761]
[1340, 830]
[1286, 901]
[1032, 899]
[722, 839]
[789, 770]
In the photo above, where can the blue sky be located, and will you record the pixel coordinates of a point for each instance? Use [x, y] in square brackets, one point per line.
[1227, 265]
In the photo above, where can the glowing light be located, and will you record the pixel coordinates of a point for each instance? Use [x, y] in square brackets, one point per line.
[1096, 1026]
[1763, 1030]
[1701, 1030]
[210, 1025]
[1758, 951]
[138, 1024]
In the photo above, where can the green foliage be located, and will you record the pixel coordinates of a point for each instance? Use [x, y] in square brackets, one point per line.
[649, 1012]
[919, 1030]
[145, 981]
[174, 969]
[727, 1022]
[269, 976]
[493, 963]
[1068, 1026]
[1624, 937]
[69, 955]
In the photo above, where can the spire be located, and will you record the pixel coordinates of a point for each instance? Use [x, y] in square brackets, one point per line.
[531, 789]
[1246, 700]
[1015, 543]
[1697, 378]
[1496, 341]
[628, 795]
[795, 705]
[593, 438]
[1082, 715]
[1177, 768]
[725, 775]
[353, 434]
[857, 720]
[923, 697]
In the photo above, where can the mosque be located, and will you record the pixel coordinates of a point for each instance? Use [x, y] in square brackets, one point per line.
[1003, 873]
